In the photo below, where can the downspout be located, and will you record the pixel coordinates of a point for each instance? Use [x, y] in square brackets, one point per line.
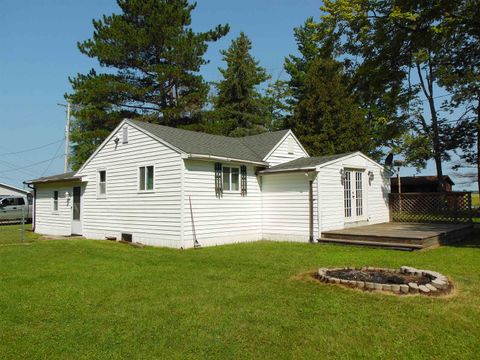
[182, 203]
[310, 201]
[319, 203]
[34, 210]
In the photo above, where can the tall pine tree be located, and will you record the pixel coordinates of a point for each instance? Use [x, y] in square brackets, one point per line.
[153, 59]
[323, 113]
[326, 118]
[239, 106]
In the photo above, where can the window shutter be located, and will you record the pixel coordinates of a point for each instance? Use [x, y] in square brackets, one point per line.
[243, 182]
[218, 180]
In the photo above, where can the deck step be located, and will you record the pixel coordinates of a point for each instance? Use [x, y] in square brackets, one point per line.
[382, 238]
[389, 245]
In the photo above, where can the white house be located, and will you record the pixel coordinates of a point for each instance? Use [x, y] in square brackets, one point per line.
[9, 190]
[164, 186]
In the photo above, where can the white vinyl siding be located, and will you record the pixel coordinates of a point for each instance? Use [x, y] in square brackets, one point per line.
[231, 218]
[152, 217]
[289, 149]
[285, 209]
[50, 222]
[332, 199]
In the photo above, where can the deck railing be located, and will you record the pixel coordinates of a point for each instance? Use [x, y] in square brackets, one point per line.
[442, 207]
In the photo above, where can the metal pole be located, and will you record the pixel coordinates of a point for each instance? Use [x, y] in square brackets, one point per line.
[23, 223]
[67, 138]
[399, 191]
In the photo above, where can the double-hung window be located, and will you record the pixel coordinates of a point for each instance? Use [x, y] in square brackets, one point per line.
[231, 178]
[102, 183]
[146, 176]
[55, 201]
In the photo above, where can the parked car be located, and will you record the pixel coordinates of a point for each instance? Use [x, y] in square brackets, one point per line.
[14, 208]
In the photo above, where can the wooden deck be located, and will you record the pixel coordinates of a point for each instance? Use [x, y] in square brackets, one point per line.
[404, 236]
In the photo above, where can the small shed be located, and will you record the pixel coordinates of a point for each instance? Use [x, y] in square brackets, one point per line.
[421, 184]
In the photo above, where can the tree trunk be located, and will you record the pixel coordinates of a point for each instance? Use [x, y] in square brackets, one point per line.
[428, 92]
[437, 152]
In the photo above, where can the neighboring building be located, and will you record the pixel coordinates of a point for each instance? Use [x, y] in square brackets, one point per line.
[420, 184]
[164, 186]
[9, 190]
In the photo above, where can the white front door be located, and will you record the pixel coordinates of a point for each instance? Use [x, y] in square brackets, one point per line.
[354, 195]
[77, 211]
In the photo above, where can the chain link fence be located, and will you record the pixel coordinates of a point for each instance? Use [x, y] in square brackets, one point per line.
[15, 227]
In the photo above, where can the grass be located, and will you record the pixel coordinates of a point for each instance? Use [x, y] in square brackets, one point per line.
[12, 234]
[82, 299]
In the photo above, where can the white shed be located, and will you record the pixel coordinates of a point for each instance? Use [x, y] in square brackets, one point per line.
[163, 186]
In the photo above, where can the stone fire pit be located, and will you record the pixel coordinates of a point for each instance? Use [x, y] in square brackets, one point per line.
[399, 281]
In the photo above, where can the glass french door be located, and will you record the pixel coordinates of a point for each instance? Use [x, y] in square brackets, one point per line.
[353, 194]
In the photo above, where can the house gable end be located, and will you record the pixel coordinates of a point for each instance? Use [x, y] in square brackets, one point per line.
[287, 149]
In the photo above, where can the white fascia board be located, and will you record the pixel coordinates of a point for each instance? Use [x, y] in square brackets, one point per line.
[348, 157]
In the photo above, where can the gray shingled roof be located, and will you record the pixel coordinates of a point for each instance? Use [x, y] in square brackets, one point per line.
[305, 163]
[59, 177]
[250, 148]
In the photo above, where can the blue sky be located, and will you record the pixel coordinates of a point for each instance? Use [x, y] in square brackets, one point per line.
[38, 53]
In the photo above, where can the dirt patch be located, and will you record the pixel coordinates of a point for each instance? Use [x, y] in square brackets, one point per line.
[378, 276]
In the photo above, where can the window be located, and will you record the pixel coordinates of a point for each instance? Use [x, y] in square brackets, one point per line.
[102, 183]
[55, 201]
[146, 178]
[125, 134]
[19, 201]
[7, 202]
[231, 178]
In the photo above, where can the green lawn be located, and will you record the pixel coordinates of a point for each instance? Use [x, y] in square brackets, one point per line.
[82, 299]
[12, 234]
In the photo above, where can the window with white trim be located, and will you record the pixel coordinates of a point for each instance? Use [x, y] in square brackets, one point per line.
[102, 183]
[125, 135]
[55, 200]
[231, 178]
[146, 177]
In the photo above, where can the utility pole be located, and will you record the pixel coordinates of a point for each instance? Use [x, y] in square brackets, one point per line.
[67, 139]
[67, 136]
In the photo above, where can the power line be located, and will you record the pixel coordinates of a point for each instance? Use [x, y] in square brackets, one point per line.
[37, 163]
[31, 149]
[51, 160]
[13, 168]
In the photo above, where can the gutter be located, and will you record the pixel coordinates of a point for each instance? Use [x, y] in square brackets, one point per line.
[267, 171]
[221, 158]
